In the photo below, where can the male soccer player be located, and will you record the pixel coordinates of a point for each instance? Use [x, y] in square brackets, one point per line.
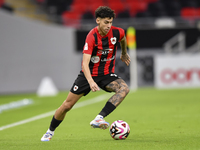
[98, 65]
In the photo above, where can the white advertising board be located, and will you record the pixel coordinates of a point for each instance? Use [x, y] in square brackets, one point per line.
[177, 71]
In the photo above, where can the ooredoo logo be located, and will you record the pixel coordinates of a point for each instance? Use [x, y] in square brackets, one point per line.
[180, 75]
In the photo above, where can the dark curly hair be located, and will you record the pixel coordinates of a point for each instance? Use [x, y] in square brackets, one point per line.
[104, 12]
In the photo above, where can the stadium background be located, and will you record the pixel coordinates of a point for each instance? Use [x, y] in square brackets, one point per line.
[40, 38]
[44, 38]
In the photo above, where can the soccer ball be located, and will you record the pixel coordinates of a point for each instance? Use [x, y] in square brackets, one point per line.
[119, 130]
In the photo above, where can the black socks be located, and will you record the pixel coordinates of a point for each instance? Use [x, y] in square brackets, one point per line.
[108, 108]
[54, 124]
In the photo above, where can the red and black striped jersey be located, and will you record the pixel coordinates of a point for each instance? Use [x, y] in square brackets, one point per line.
[102, 50]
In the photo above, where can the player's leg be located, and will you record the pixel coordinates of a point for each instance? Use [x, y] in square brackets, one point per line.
[121, 90]
[79, 88]
[67, 105]
[60, 114]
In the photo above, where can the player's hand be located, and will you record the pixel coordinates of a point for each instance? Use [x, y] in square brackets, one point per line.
[94, 87]
[125, 58]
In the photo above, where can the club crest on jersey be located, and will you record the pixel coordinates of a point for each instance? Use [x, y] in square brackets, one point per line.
[75, 88]
[113, 40]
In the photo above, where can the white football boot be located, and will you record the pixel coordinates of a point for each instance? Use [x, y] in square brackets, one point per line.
[47, 136]
[99, 123]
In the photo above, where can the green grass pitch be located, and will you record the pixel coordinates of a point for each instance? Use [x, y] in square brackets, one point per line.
[159, 120]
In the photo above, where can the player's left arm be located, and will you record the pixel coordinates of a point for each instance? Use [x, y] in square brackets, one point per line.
[124, 55]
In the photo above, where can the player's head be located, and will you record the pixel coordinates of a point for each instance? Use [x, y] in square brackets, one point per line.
[104, 17]
[104, 12]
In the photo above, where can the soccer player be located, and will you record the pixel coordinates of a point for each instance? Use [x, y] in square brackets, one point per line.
[98, 66]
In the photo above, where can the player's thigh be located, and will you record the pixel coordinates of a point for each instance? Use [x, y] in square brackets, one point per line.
[116, 85]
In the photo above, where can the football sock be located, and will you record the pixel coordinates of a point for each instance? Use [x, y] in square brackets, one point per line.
[99, 117]
[108, 108]
[54, 124]
[52, 132]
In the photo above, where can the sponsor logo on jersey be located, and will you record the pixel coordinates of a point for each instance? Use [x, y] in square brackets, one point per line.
[108, 59]
[105, 51]
[113, 40]
[75, 88]
[95, 59]
[86, 46]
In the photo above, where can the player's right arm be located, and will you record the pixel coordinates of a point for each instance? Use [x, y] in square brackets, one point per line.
[87, 52]
[85, 67]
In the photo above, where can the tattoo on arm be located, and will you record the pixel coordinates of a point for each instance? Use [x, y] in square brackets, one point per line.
[123, 46]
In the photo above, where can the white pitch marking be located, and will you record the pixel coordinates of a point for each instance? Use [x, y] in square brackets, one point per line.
[78, 105]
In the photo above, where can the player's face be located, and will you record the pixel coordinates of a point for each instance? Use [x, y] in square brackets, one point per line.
[104, 25]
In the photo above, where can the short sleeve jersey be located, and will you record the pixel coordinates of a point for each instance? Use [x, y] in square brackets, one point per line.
[102, 50]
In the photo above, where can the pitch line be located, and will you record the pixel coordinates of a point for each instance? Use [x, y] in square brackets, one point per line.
[77, 105]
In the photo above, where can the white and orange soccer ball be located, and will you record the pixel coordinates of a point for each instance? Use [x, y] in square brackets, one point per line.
[119, 130]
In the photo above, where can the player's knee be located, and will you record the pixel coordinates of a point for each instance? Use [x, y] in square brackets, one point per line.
[67, 106]
[125, 90]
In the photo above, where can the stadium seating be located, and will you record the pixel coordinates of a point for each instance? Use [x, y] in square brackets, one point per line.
[118, 6]
[1, 2]
[94, 5]
[85, 9]
[190, 13]
[135, 7]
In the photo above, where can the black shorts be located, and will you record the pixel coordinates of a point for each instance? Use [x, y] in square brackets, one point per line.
[81, 84]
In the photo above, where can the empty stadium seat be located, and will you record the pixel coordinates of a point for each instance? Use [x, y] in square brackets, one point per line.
[71, 18]
[78, 7]
[136, 6]
[1, 2]
[190, 13]
[94, 5]
[118, 6]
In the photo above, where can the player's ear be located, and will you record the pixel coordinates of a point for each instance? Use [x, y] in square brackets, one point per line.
[98, 20]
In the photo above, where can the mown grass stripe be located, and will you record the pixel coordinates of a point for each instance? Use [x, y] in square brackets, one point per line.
[78, 105]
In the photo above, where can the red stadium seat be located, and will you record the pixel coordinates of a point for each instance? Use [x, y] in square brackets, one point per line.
[118, 6]
[93, 6]
[71, 18]
[189, 13]
[79, 7]
[1, 2]
[111, 1]
[136, 7]
[151, 1]
[198, 12]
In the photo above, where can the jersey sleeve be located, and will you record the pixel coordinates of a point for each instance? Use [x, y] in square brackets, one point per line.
[122, 33]
[89, 44]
